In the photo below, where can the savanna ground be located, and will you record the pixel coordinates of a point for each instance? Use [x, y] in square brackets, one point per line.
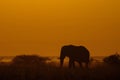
[32, 68]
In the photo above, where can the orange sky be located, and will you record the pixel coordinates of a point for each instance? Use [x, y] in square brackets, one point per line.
[43, 26]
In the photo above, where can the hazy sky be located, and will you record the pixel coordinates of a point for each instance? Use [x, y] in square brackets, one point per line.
[43, 26]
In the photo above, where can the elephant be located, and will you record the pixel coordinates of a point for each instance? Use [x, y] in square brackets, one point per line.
[79, 54]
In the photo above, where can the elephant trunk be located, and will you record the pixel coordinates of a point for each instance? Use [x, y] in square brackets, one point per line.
[61, 62]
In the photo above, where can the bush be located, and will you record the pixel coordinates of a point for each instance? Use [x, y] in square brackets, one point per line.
[29, 59]
[112, 59]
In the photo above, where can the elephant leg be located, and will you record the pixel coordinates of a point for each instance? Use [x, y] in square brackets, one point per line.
[80, 64]
[61, 62]
[71, 63]
[86, 65]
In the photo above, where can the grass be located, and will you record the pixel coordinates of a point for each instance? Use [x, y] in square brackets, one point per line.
[52, 72]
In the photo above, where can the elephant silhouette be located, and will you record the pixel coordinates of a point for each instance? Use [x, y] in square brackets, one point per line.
[79, 54]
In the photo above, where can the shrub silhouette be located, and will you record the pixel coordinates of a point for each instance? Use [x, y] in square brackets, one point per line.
[29, 59]
[112, 59]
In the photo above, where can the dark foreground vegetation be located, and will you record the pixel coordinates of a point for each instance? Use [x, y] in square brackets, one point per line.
[26, 67]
